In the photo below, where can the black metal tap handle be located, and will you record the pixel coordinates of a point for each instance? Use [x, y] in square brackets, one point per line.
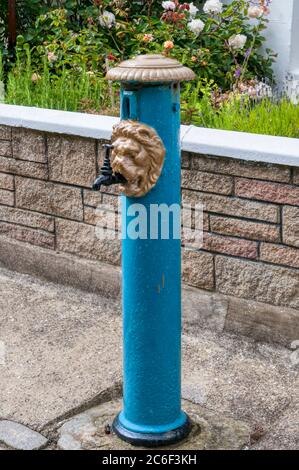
[106, 169]
[107, 177]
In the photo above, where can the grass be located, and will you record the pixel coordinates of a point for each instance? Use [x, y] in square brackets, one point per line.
[2, 91]
[70, 91]
[267, 116]
[85, 92]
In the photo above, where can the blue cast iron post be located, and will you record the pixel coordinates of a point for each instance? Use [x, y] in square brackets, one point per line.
[151, 254]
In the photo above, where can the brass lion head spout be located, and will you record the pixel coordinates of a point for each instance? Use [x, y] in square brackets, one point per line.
[138, 155]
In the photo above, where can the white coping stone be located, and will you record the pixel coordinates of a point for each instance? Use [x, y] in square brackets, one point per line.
[238, 145]
[62, 122]
[242, 145]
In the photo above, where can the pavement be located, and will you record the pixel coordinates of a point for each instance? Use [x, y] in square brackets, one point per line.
[60, 356]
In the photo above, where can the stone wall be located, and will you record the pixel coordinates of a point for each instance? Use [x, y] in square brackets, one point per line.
[251, 219]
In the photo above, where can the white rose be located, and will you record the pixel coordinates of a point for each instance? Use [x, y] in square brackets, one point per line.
[169, 6]
[213, 7]
[237, 41]
[107, 19]
[193, 9]
[196, 26]
[255, 12]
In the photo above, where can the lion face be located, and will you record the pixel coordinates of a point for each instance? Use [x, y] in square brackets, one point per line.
[138, 155]
[131, 160]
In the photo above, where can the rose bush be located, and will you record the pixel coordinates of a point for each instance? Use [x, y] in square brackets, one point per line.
[62, 58]
[217, 41]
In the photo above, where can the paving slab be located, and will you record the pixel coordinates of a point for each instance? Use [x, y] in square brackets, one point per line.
[210, 431]
[60, 355]
[20, 437]
[244, 379]
[60, 348]
[284, 434]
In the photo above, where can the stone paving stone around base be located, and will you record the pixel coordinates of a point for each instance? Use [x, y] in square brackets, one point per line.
[211, 431]
[20, 437]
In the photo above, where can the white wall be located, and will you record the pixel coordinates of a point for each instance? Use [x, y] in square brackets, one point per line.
[279, 35]
[283, 37]
[294, 67]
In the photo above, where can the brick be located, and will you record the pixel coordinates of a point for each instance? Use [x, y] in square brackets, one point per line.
[207, 182]
[102, 217]
[93, 215]
[5, 148]
[5, 133]
[192, 239]
[7, 197]
[257, 281]
[82, 240]
[206, 222]
[291, 226]
[29, 145]
[279, 254]
[185, 160]
[296, 176]
[230, 246]
[6, 181]
[114, 190]
[229, 166]
[23, 168]
[244, 229]
[264, 191]
[92, 198]
[111, 200]
[29, 219]
[233, 206]
[198, 269]
[28, 235]
[90, 215]
[49, 198]
[194, 219]
[95, 199]
[72, 160]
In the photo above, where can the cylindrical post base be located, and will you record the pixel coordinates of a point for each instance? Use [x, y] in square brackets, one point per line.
[159, 439]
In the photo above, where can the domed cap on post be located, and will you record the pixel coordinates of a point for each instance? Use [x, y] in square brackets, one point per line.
[150, 68]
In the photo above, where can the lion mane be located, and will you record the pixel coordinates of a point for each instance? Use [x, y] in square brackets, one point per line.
[153, 148]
